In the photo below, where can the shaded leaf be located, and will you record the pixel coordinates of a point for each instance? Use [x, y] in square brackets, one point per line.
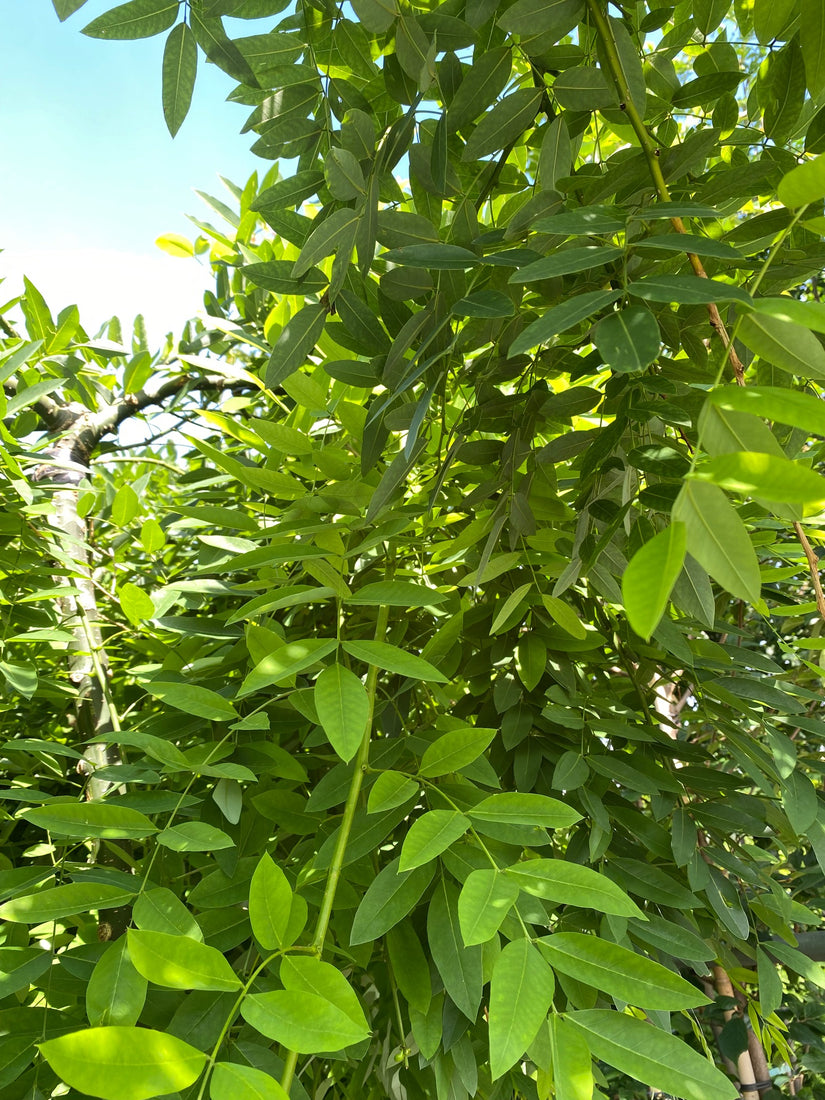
[717, 538]
[180, 66]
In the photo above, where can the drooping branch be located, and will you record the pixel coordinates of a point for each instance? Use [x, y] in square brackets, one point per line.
[651, 151]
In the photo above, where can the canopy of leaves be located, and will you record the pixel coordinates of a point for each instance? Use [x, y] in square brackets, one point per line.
[430, 706]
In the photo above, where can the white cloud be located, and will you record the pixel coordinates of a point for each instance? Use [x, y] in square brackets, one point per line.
[106, 282]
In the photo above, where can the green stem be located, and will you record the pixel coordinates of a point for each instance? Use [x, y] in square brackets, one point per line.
[651, 149]
[230, 1019]
[361, 762]
[337, 864]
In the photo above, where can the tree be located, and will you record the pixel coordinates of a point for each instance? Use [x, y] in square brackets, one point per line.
[431, 706]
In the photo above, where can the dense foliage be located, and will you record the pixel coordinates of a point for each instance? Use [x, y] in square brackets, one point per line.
[430, 705]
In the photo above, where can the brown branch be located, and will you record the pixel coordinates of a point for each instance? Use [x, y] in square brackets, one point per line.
[813, 568]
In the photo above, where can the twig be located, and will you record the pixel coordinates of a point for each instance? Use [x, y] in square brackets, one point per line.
[813, 568]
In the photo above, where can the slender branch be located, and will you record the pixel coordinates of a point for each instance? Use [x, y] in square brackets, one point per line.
[651, 151]
[813, 568]
[337, 864]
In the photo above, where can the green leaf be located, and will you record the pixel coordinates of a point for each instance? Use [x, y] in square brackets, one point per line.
[651, 882]
[572, 1064]
[784, 344]
[233, 1081]
[159, 910]
[770, 984]
[812, 41]
[91, 819]
[504, 123]
[485, 900]
[298, 338]
[651, 1055]
[565, 616]
[619, 972]
[559, 318]
[194, 836]
[270, 904]
[287, 661]
[650, 576]
[531, 17]
[392, 659]
[301, 1021]
[515, 808]
[572, 884]
[795, 960]
[566, 261]
[455, 750]
[152, 537]
[556, 155]
[125, 506]
[689, 242]
[333, 232]
[376, 16]
[390, 789]
[459, 966]
[276, 275]
[804, 184]
[21, 967]
[343, 708]
[136, 19]
[488, 304]
[810, 315]
[585, 88]
[116, 992]
[521, 992]
[311, 975]
[64, 901]
[754, 474]
[801, 410]
[396, 594]
[717, 538]
[480, 87]
[531, 660]
[65, 8]
[672, 939]
[390, 897]
[136, 603]
[343, 174]
[220, 50]
[410, 966]
[173, 244]
[436, 257]
[178, 962]
[180, 67]
[686, 290]
[123, 1063]
[799, 801]
[770, 17]
[628, 340]
[430, 835]
[586, 221]
[508, 606]
[192, 699]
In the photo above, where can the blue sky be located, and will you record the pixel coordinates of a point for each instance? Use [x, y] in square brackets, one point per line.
[90, 176]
